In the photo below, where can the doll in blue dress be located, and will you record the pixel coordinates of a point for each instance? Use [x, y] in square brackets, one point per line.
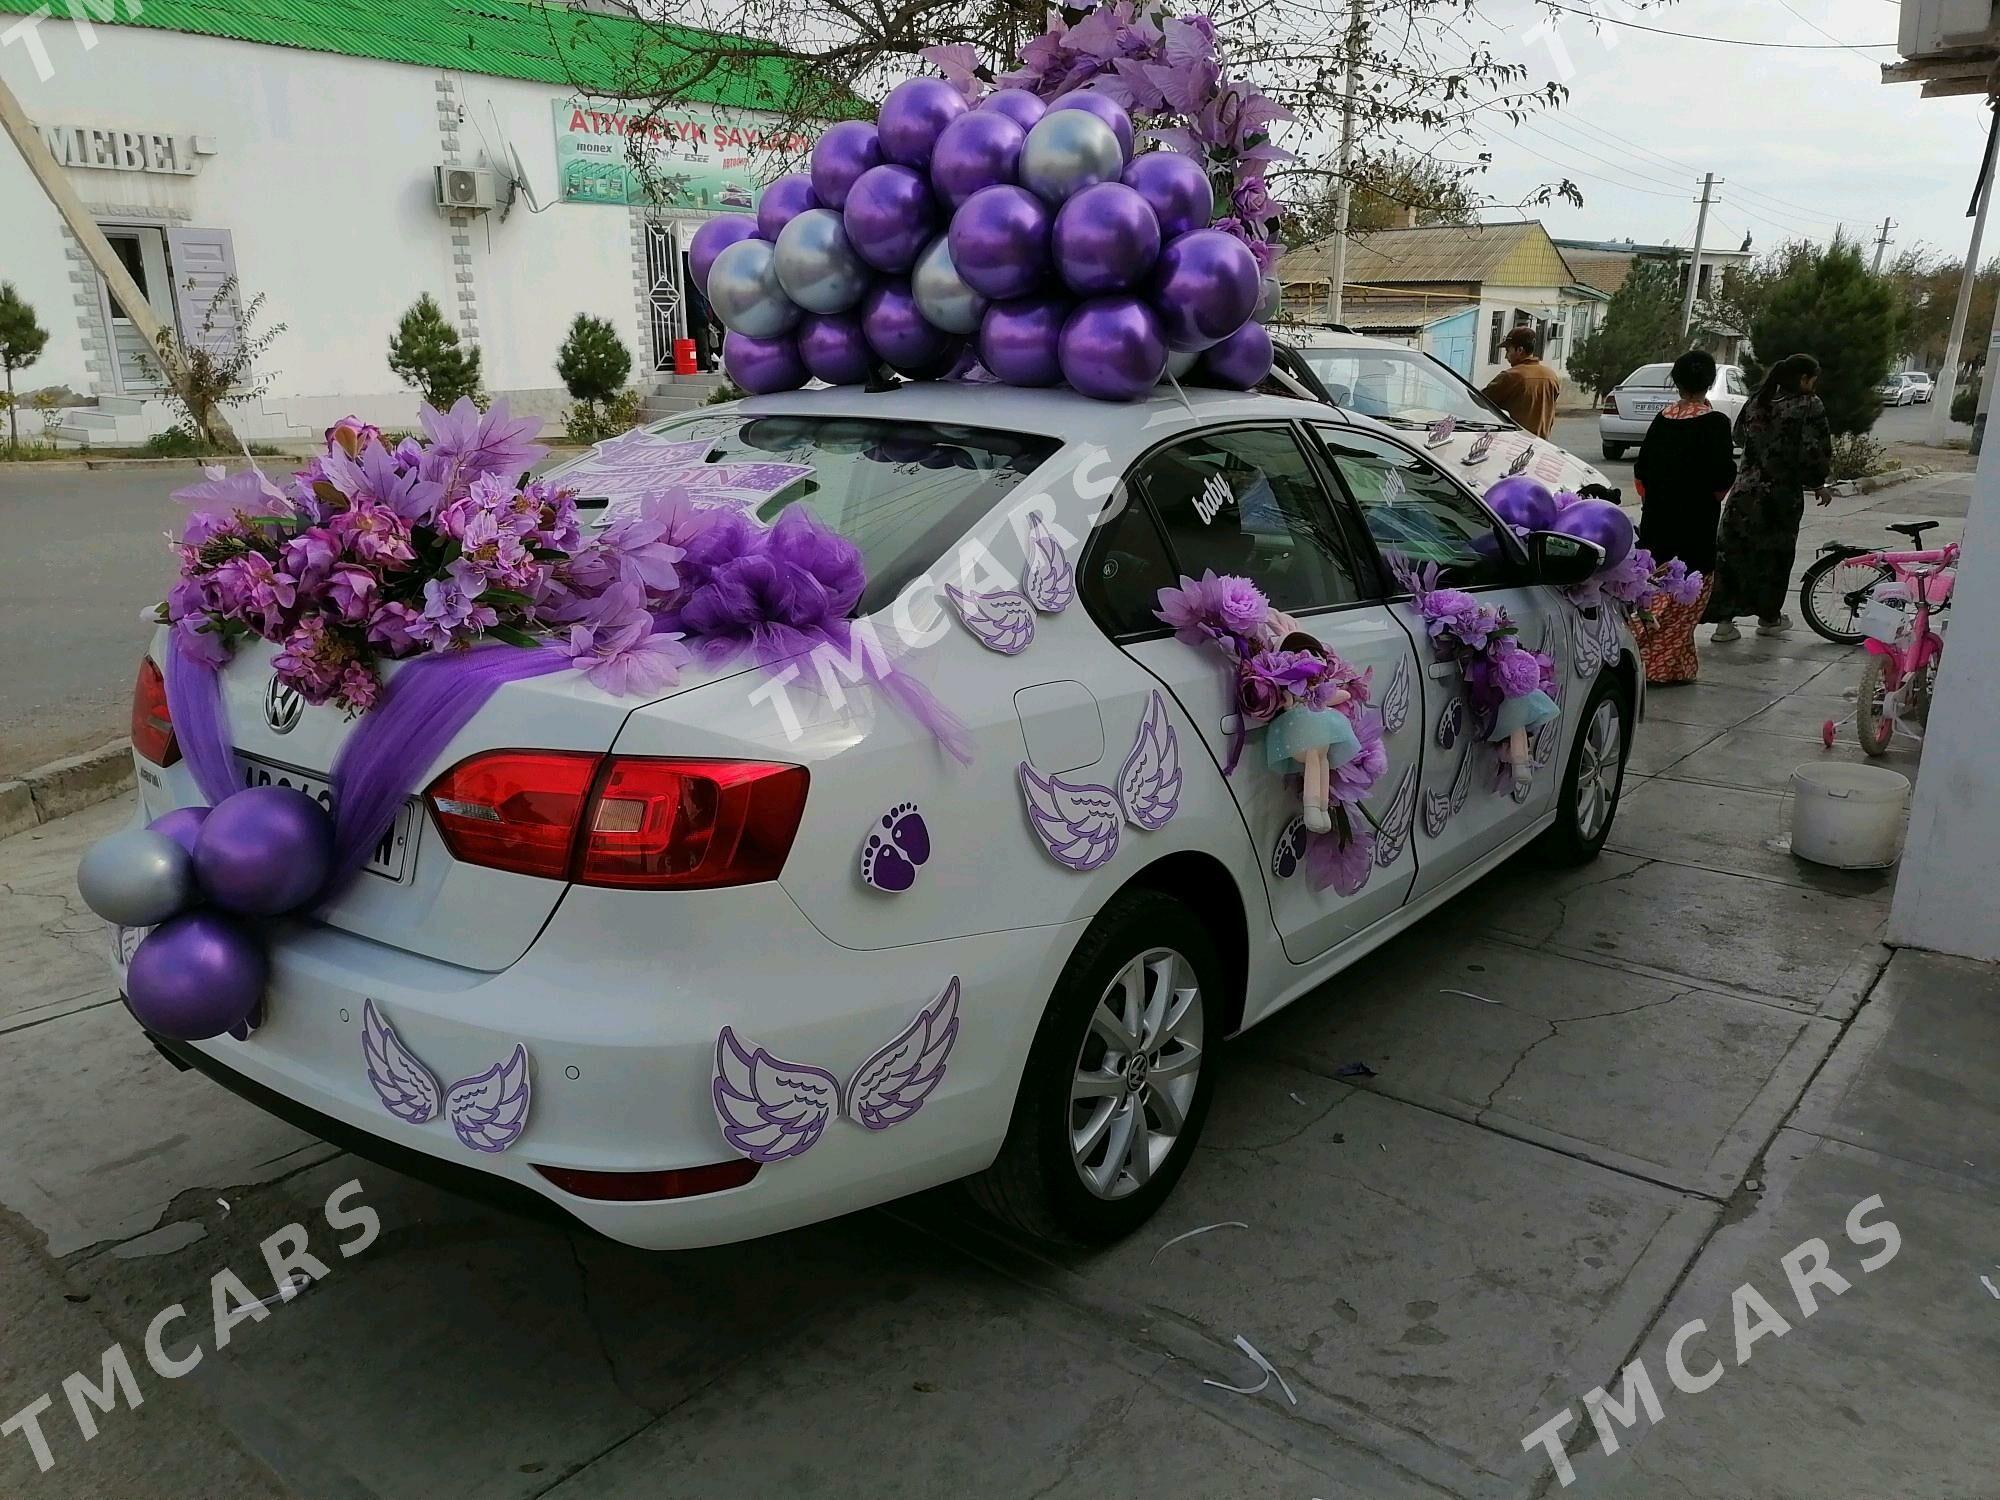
[1314, 739]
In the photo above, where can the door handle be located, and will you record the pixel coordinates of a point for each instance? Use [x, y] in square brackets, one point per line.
[1438, 671]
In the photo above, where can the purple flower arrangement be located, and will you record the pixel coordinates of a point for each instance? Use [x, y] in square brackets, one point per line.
[1482, 639]
[1638, 584]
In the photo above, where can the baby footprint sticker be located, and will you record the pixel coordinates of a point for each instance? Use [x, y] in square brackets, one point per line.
[898, 844]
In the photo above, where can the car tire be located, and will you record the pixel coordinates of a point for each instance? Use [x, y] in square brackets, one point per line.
[1613, 452]
[1589, 805]
[1056, 1178]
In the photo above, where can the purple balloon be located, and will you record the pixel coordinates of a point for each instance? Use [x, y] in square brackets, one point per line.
[1105, 240]
[1019, 340]
[840, 156]
[783, 201]
[1112, 348]
[1000, 242]
[977, 150]
[1175, 188]
[1205, 288]
[1108, 110]
[890, 217]
[182, 825]
[834, 348]
[1021, 106]
[897, 331]
[263, 851]
[196, 976]
[1522, 501]
[1239, 361]
[762, 366]
[913, 116]
[714, 237]
[1596, 521]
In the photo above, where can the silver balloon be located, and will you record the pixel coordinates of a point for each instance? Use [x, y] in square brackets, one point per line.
[942, 296]
[816, 266]
[1178, 364]
[1068, 151]
[1270, 299]
[137, 878]
[743, 289]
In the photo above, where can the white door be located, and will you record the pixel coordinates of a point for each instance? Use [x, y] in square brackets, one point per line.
[143, 252]
[1265, 514]
[1416, 513]
[665, 302]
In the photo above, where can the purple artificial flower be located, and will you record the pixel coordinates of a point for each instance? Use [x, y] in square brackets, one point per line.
[1203, 606]
[250, 588]
[197, 635]
[959, 62]
[1355, 777]
[466, 442]
[1679, 582]
[311, 660]
[635, 548]
[309, 557]
[489, 544]
[1258, 699]
[359, 689]
[624, 654]
[351, 590]
[393, 626]
[1344, 864]
[398, 486]
[1253, 202]
[1516, 670]
[452, 614]
[214, 503]
[374, 534]
[350, 434]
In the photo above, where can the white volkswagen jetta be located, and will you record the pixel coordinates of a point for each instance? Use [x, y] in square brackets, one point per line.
[849, 967]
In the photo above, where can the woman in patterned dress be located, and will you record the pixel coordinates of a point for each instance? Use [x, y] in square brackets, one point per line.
[1684, 468]
[1787, 450]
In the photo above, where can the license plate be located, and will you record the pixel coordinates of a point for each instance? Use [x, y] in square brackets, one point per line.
[124, 940]
[1648, 408]
[391, 859]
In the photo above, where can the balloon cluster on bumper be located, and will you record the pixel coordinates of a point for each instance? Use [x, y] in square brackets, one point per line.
[201, 878]
[1021, 234]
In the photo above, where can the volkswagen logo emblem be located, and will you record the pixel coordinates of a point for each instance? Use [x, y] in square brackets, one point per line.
[282, 706]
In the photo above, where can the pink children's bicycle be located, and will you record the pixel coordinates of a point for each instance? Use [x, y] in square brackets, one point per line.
[1904, 642]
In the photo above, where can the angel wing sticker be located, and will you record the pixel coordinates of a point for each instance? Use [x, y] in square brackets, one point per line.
[489, 1110]
[1396, 700]
[1461, 781]
[1395, 829]
[1002, 621]
[893, 1084]
[1437, 813]
[769, 1110]
[407, 1089]
[1050, 580]
[1076, 822]
[1149, 783]
[1589, 655]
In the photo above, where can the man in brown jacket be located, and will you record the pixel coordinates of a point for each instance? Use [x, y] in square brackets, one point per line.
[1526, 390]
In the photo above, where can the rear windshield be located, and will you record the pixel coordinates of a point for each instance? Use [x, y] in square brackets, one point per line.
[1651, 375]
[900, 491]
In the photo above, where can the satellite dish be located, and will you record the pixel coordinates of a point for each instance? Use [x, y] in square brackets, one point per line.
[520, 174]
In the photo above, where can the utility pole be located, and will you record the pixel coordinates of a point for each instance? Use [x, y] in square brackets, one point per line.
[1947, 381]
[1344, 194]
[1694, 265]
[1882, 243]
[124, 290]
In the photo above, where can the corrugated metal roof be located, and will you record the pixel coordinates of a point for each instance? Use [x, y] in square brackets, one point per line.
[1516, 254]
[498, 38]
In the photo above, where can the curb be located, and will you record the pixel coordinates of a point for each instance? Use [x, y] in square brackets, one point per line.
[64, 786]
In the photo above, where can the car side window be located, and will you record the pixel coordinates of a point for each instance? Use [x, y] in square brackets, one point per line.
[1125, 567]
[1251, 501]
[1417, 515]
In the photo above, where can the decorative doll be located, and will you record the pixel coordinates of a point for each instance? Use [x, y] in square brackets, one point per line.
[1311, 730]
[1524, 704]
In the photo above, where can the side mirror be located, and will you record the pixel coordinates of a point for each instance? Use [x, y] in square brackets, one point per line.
[1562, 560]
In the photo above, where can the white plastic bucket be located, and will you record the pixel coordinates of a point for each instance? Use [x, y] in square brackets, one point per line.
[1847, 816]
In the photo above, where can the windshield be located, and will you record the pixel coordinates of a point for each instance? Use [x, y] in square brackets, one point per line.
[1662, 375]
[900, 491]
[1402, 387]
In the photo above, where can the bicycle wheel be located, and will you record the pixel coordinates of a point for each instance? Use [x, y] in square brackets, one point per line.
[1833, 591]
[1872, 724]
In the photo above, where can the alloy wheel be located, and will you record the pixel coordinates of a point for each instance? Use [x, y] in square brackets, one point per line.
[1136, 1073]
[1598, 770]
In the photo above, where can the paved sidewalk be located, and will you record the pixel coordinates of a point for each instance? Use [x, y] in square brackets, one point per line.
[1602, 1102]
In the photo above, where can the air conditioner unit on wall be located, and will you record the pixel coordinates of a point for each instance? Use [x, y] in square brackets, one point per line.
[464, 189]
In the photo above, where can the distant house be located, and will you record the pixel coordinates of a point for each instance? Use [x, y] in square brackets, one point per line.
[1604, 263]
[1452, 290]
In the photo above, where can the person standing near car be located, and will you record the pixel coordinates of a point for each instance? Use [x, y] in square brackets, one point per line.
[1527, 389]
[1787, 450]
[1685, 466]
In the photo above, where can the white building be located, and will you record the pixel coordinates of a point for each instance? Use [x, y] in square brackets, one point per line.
[304, 149]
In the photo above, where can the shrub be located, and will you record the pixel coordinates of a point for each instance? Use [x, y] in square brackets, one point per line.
[21, 343]
[217, 367]
[1855, 456]
[1965, 403]
[592, 362]
[590, 422]
[424, 353]
[726, 390]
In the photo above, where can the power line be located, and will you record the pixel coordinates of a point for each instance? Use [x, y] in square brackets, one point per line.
[1607, 161]
[1722, 41]
[1593, 176]
[1850, 46]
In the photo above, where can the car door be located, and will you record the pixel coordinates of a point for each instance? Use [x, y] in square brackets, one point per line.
[1414, 512]
[1252, 500]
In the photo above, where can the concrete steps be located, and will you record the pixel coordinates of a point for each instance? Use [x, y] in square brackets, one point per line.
[678, 393]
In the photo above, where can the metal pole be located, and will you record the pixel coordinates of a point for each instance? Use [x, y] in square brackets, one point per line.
[1694, 265]
[1882, 243]
[1336, 295]
[1947, 381]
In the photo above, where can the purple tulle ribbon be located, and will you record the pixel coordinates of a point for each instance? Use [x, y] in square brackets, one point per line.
[194, 700]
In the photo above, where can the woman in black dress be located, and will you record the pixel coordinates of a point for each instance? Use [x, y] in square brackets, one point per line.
[1685, 466]
[1787, 450]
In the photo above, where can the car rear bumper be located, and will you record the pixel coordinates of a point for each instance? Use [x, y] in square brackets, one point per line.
[621, 1038]
[1616, 429]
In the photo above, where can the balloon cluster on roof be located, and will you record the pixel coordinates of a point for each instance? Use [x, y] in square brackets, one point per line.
[1017, 236]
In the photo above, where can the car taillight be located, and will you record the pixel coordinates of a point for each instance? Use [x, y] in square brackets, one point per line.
[152, 724]
[1610, 403]
[650, 1187]
[633, 821]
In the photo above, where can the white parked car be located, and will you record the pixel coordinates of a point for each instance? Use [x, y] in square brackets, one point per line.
[721, 919]
[1629, 408]
[1905, 388]
[1414, 392]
